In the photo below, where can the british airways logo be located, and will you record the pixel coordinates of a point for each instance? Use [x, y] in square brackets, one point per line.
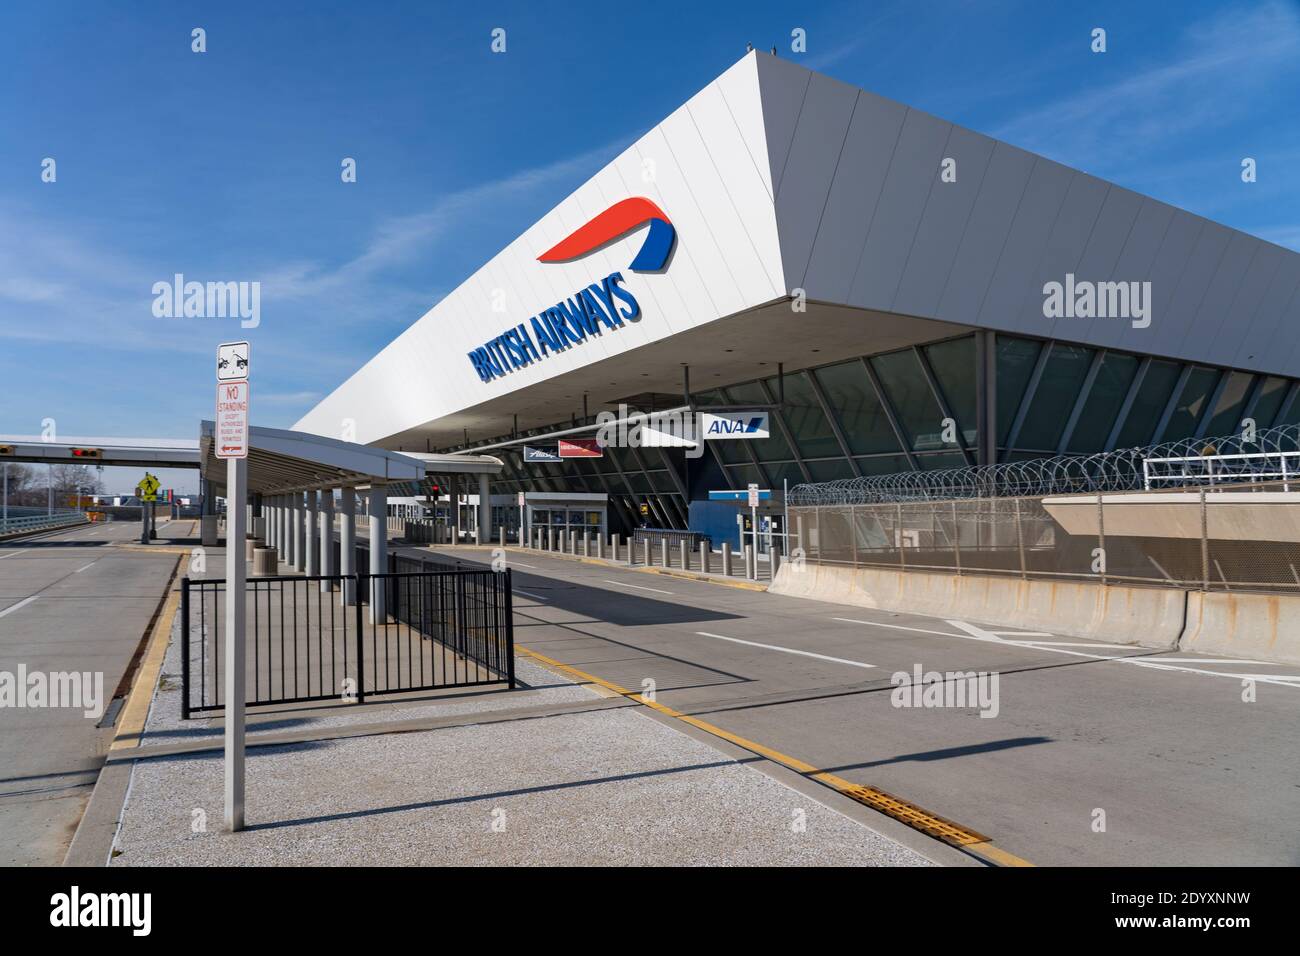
[601, 306]
[614, 223]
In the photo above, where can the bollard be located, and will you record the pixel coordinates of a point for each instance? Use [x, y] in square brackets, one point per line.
[550, 539]
[503, 536]
[586, 544]
[684, 554]
[751, 567]
[663, 553]
[726, 558]
[573, 543]
[774, 559]
[600, 545]
[704, 557]
[264, 562]
[613, 544]
[645, 552]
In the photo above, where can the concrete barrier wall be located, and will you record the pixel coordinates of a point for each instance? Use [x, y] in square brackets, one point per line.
[1234, 623]
[1150, 617]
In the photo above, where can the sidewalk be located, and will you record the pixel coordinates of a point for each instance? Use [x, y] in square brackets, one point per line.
[552, 774]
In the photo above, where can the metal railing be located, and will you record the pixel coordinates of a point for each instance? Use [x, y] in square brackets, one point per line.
[1202, 538]
[443, 628]
[60, 519]
[1191, 470]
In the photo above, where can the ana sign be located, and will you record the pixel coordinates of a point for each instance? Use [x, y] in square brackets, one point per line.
[722, 425]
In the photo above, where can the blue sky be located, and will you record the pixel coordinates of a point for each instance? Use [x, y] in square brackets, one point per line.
[225, 165]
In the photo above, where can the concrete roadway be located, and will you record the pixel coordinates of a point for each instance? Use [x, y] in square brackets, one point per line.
[1184, 770]
[69, 601]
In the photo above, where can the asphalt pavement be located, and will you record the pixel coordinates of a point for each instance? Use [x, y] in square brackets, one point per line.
[75, 601]
[1092, 754]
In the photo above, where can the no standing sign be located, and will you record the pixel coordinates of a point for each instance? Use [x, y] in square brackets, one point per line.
[231, 431]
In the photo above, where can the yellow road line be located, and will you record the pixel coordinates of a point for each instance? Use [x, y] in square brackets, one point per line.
[895, 807]
[131, 725]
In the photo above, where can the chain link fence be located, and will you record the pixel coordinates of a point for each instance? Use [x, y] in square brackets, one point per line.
[1244, 536]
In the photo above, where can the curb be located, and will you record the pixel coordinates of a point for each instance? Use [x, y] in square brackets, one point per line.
[93, 841]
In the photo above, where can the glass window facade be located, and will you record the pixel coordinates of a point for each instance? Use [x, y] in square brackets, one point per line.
[1113, 392]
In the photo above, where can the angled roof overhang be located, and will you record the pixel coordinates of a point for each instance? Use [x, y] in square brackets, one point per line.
[281, 461]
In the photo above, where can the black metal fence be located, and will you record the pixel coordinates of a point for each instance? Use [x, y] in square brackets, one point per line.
[418, 627]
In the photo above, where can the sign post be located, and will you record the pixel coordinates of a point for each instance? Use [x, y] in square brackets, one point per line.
[753, 523]
[147, 492]
[230, 441]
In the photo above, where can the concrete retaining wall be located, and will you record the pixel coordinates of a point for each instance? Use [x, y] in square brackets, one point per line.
[1150, 617]
[1262, 626]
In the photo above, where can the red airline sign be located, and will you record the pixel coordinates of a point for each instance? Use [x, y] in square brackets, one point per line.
[579, 448]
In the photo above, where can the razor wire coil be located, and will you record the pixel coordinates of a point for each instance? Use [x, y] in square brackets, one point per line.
[1118, 470]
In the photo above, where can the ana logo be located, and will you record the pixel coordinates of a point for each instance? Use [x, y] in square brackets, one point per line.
[614, 223]
[723, 426]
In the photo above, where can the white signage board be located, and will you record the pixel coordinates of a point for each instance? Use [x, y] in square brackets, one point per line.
[753, 495]
[232, 361]
[230, 434]
[722, 425]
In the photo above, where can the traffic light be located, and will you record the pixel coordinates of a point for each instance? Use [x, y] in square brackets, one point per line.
[87, 453]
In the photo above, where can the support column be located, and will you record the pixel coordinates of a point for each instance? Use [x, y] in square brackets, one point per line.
[348, 544]
[378, 551]
[286, 521]
[327, 562]
[455, 509]
[311, 527]
[484, 509]
[297, 558]
[281, 529]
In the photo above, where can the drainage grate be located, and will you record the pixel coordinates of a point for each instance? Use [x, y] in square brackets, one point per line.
[111, 712]
[914, 816]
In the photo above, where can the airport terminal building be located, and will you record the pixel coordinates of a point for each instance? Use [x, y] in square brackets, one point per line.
[873, 289]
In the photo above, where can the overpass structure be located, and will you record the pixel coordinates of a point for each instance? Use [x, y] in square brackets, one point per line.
[91, 450]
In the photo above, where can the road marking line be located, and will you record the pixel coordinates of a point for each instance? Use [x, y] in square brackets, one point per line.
[535, 597]
[519, 564]
[787, 650]
[1046, 644]
[909, 813]
[974, 633]
[14, 553]
[899, 627]
[91, 565]
[637, 586]
[23, 603]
